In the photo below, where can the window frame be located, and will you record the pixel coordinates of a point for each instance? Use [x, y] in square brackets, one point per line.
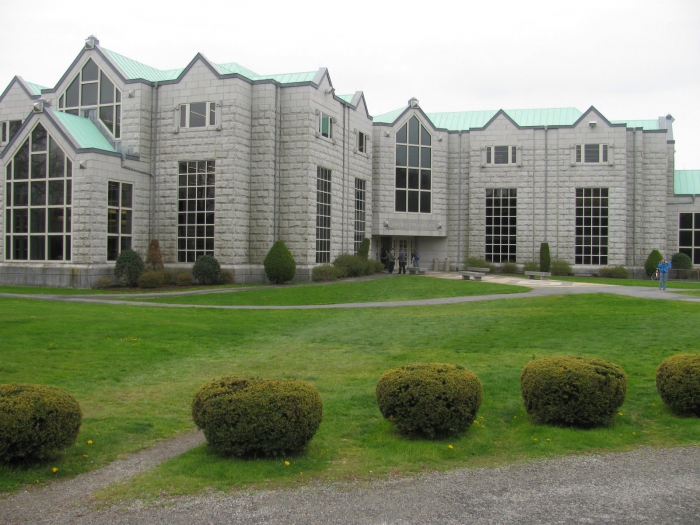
[324, 196]
[505, 202]
[196, 223]
[691, 249]
[413, 166]
[323, 116]
[362, 142]
[8, 129]
[185, 110]
[591, 222]
[38, 201]
[489, 155]
[123, 239]
[580, 154]
[360, 222]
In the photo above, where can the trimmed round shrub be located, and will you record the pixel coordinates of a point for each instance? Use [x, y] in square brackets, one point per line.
[652, 262]
[430, 400]
[560, 268]
[572, 391]
[678, 382]
[151, 279]
[184, 279]
[206, 270]
[680, 261]
[615, 272]
[257, 417]
[129, 267]
[36, 422]
[279, 264]
[508, 267]
[324, 272]
[226, 277]
[169, 277]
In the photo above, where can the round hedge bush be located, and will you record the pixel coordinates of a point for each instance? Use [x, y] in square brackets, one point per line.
[251, 417]
[279, 264]
[152, 279]
[573, 391]
[678, 382]
[36, 421]
[129, 267]
[430, 400]
[207, 270]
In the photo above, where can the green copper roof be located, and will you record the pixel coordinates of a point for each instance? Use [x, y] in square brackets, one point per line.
[686, 182]
[646, 125]
[35, 88]
[461, 120]
[133, 69]
[233, 68]
[346, 98]
[83, 131]
[289, 78]
[544, 117]
[389, 118]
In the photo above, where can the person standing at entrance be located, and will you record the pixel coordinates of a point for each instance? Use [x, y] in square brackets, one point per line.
[385, 258]
[414, 258]
[402, 260]
[663, 273]
[391, 257]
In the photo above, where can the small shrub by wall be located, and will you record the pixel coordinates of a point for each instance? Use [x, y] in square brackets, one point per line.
[103, 283]
[352, 265]
[206, 270]
[154, 257]
[279, 264]
[476, 262]
[652, 262]
[226, 277]
[169, 277]
[324, 272]
[184, 279]
[531, 266]
[508, 267]
[615, 272]
[129, 267]
[678, 382]
[151, 279]
[561, 268]
[36, 421]
[363, 251]
[429, 400]
[572, 391]
[545, 258]
[250, 417]
[680, 261]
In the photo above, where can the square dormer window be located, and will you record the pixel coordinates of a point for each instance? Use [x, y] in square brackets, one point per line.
[198, 115]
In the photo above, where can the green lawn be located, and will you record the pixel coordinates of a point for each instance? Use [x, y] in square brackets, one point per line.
[135, 370]
[648, 283]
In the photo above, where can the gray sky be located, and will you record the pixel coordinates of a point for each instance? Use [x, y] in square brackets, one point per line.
[631, 59]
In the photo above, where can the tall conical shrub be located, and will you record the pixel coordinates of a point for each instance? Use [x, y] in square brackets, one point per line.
[652, 262]
[154, 257]
[545, 259]
[279, 263]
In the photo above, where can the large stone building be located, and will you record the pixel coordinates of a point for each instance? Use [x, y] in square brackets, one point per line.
[214, 158]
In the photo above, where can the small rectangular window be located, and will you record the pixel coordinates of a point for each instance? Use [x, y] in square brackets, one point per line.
[198, 115]
[501, 155]
[325, 125]
[8, 129]
[362, 142]
[591, 153]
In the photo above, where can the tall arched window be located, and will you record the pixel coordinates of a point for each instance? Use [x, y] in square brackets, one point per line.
[92, 89]
[413, 181]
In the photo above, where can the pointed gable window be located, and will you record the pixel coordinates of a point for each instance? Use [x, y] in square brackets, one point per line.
[92, 89]
[413, 183]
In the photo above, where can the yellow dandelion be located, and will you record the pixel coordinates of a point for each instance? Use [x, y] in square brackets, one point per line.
[634, 433]
[620, 414]
[89, 441]
[450, 446]
[549, 439]
[476, 422]
[84, 455]
[54, 470]
[286, 463]
[534, 439]
[515, 417]
[36, 481]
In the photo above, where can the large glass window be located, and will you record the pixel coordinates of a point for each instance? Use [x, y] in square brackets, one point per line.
[359, 213]
[120, 204]
[196, 203]
[413, 183]
[591, 226]
[501, 225]
[689, 235]
[323, 215]
[92, 89]
[38, 192]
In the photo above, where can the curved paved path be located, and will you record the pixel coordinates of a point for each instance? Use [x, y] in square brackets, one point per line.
[645, 486]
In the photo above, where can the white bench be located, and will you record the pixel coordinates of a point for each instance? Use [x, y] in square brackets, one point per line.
[542, 275]
[415, 271]
[478, 269]
[472, 275]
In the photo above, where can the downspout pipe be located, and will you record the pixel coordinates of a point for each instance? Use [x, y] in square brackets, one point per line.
[275, 205]
[546, 187]
[154, 155]
[343, 220]
[634, 198]
[459, 205]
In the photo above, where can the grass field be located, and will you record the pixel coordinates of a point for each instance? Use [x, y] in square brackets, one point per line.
[135, 370]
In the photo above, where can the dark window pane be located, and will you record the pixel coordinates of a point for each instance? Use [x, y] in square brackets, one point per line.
[425, 202]
[500, 154]
[118, 122]
[401, 177]
[592, 152]
[183, 123]
[424, 136]
[72, 94]
[401, 135]
[112, 223]
[69, 192]
[400, 203]
[90, 70]
[56, 220]
[425, 160]
[21, 161]
[198, 115]
[401, 156]
[112, 194]
[413, 130]
[38, 193]
[413, 156]
[125, 243]
[697, 221]
[39, 138]
[127, 192]
[578, 157]
[56, 160]
[413, 201]
[488, 155]
[112, 248]
[37, 248]
[55, 248]
[106, 90]
[20, 219]
[21, 194]
[88, 94]
[39, 166]
[126, 222]
[69, 168]
[212, 114]
[8, 194]
[107, 117]
[685, 238]
[8, 171]
[37, 221]
[55, 193]
[413, 179]
[685, 221]
[21, 245]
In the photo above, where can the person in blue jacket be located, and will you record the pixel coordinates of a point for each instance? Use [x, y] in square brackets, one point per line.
[663, 273]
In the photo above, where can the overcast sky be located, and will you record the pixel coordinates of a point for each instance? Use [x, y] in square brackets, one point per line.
[631, 59]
